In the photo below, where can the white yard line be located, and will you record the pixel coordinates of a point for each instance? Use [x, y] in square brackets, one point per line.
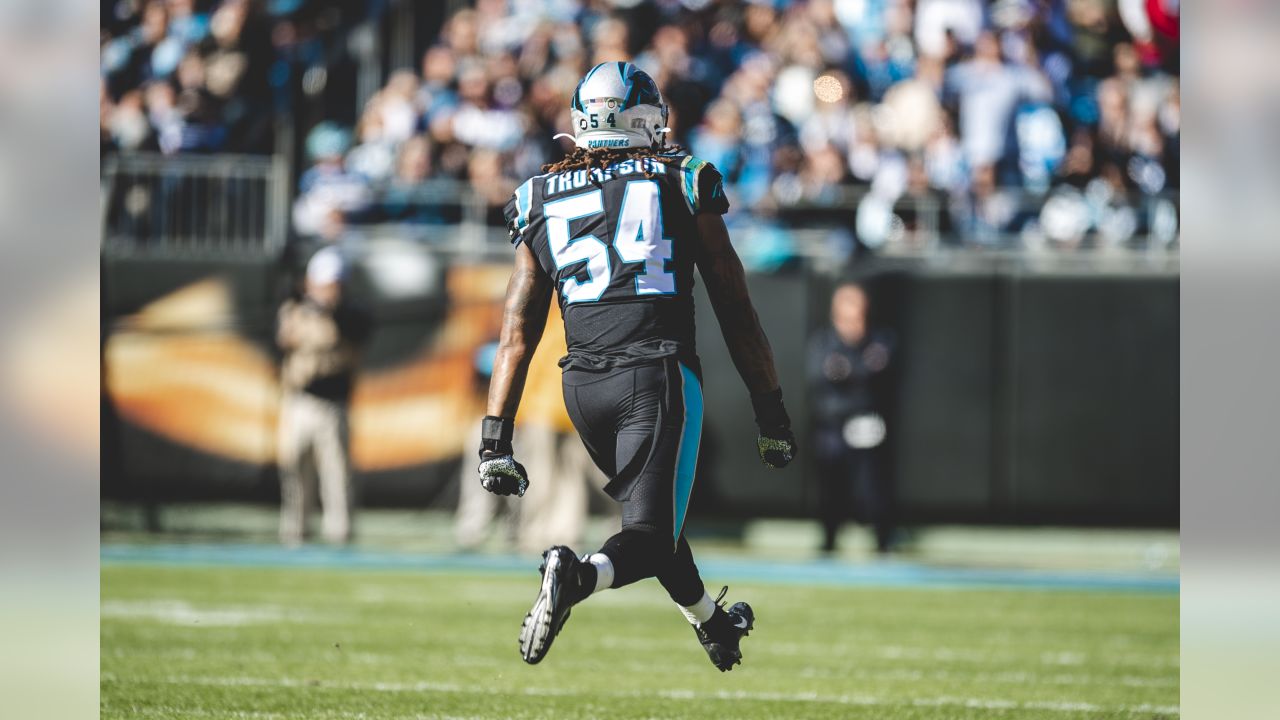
[172, 711]
[681, 694]
[178, 612]
[1006, 678]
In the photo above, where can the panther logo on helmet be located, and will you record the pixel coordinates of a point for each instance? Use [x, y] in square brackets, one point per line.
[617, 105]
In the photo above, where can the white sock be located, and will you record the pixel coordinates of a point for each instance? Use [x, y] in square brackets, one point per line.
[700, 611]
[604, 571]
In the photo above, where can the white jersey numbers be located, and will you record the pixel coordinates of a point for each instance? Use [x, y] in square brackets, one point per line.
[567, 250]
[637, 238]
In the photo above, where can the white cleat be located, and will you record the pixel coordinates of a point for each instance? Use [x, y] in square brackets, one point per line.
[557, 596]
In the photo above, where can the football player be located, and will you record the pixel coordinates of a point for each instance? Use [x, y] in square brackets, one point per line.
[614, 231]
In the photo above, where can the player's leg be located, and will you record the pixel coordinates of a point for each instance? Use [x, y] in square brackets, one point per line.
[660, 503]
[593, 400]
[651, 417]
[292, 445]
[575, 473]
[333, 470]
[874, 497]
[477, 507]
[656, 450]
[831, 459]
[545, 502]
[646, 450]
[720, 631]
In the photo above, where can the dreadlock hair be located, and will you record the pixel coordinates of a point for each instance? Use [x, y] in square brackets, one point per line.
[583, 159]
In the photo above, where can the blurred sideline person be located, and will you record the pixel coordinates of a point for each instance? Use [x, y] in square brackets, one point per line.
[320, 335]
[478, 511]
[615, 230]
[554, 511]
[844, 358]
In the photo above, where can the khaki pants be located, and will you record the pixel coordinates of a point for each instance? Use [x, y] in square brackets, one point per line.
[312, 446]
[554, 509]
[478, 508]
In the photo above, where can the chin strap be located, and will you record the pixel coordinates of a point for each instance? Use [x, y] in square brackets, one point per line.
[557, 136]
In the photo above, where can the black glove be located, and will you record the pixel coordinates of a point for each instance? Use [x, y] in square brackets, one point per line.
[776, 444]
[500, 474]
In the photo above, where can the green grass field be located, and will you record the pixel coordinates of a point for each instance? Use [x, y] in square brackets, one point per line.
[244, 642]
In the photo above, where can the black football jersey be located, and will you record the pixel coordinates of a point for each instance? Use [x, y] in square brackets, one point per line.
[619, 243]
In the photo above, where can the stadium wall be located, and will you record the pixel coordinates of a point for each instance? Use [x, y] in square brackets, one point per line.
[1016, 397]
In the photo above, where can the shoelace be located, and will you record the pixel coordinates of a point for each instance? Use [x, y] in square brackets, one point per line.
[703, 634]
[719, 601]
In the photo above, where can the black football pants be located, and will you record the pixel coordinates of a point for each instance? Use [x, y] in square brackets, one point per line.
[642, 426]
[852, 485]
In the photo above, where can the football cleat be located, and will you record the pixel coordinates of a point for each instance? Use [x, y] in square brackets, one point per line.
[721, 634]
[560, 591]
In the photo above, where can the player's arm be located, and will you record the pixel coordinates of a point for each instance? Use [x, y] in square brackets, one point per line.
[524, 317]
[726, 283]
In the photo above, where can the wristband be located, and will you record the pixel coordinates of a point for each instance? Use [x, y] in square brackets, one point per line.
[770, 413]
[495, 434]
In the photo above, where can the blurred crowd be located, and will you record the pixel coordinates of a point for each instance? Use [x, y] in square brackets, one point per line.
[179, 76]
[983, 120]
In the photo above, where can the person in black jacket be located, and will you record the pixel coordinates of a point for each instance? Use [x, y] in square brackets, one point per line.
[844, 361]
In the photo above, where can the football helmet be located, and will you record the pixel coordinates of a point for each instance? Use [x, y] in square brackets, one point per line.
[617, 105]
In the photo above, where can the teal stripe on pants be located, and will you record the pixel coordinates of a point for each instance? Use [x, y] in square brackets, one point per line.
[687, 451]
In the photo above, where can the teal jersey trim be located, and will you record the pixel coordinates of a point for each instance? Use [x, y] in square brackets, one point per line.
[687, 451]
[689, 171]
[524, 203]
